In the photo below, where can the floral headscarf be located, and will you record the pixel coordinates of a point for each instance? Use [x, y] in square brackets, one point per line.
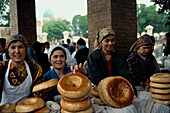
[18, 37]
[143, 40]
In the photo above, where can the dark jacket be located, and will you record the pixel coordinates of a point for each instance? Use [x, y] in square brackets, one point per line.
[97, 66]
[81, 55]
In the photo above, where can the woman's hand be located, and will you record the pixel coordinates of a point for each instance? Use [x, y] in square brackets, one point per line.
[79, 68]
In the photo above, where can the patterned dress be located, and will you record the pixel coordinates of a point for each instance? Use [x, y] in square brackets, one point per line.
[140, 69]
[16, 78]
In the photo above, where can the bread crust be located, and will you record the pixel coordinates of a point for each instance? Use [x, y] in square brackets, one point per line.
[7, 108]
[30, 104]
[74, 85]
[75, 106]
[89, 110]
[165, 102]
[117, 91]
[159, 85]
[160, 78]
[45, 86]
[160, 96]
[43, 110]
[159, 91]
[94, 91]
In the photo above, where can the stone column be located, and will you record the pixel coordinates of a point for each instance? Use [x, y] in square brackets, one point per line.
[120, 15]
[22, 19]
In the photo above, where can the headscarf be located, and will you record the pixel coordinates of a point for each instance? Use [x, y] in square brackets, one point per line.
[101, 34]
[143, 40]
[69, 60]
[17, 37]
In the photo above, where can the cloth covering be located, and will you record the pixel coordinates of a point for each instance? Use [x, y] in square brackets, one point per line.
[69, 60]
[108, 109]
[138, 106]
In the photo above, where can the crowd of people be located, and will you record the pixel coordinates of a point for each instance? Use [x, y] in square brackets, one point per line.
[23, 67]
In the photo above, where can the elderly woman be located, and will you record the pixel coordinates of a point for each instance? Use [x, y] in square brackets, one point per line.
[18, 74]
[57, 56]
[103, 61]
[141, 62]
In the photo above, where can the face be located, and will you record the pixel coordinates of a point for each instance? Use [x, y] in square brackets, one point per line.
[144, 50]
[1, 48]
[58, 59]
[78, 47]
[17, 52]
[108, 43]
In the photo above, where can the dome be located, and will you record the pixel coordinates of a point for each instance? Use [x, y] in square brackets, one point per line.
[48, 13]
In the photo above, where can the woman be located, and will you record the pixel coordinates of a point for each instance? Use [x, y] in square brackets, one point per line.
[57, 56]
[103, 61]
[140, 61]
[18, 74]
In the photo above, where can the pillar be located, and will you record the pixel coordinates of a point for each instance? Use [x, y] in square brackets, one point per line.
[23, 19]
[118, 14]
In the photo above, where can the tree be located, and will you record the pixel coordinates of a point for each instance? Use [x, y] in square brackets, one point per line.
[4, 13]
[149, 16]
[55, 28]
[79, 25]
[164, 8]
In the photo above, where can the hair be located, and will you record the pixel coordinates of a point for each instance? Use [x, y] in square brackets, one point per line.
[68, 41]
[36, 46]
[65, 45]
[74, 44]
[42, 44]
[151, 37]
[81, 42]
[47, 43]
[167, 34]
[58, 48]
[3, 42]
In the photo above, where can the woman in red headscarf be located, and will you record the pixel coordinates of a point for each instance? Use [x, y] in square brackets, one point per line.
[18, 74]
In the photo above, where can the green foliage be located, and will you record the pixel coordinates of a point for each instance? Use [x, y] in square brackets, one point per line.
[4, 13]
[164, 6]
[55, 28]
[149, 16]
[79, 25]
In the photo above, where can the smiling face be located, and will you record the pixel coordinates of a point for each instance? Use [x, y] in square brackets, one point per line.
[58, 59]
[17, 52]
[108, 43]
[144, 50]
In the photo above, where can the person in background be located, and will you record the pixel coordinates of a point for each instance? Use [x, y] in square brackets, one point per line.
[2, 48]
[57, 56]
[75, 46]
[157, 67]
[141, 62]
[43, 47]
[82, 51]
[41, 57]
[167, 45]
[19, 73]
[70, 46]
[47, 46]
[103, 61]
